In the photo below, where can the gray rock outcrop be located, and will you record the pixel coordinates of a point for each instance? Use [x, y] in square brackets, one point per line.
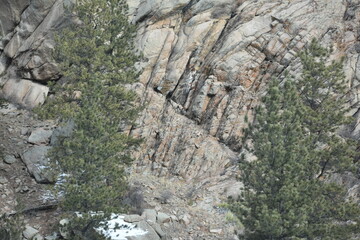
[9, 159]
[150, 232]
[207, 64]
[29, 232]
[38, 164]
[40, 136]
[26, 43]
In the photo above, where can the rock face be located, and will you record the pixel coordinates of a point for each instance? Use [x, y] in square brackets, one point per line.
[40, 136]
[207, 64]
[38, 164]
[10, 15]
[26, 29]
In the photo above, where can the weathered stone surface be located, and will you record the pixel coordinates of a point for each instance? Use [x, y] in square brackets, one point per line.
[133, 218]
[9, 159]
[150, 235]
[38, 236]
[185, 219]
[63, 228]
[29, 232]
[8, 109]
[52, 237]
[158, 7]
[208, 60]
[149, 215]
[3, 180]
[27, 46]
[37, 164]
[24, 131]
[10, 14]
[40, 136]
[163, 217]
[157, 229]
[24, 92]
[207, 64]
[216, 230]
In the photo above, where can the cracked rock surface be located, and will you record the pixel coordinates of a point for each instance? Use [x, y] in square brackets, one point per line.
[207, 64]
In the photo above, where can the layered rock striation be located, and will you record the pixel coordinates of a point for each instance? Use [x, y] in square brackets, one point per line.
[26, 45]
[206, 65]
[209, 62]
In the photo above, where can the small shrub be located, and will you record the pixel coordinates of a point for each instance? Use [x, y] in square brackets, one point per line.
[134, 200]
[11, 227]
[2, 102]
[83, 227]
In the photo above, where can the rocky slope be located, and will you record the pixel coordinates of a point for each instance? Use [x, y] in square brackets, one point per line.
[207, 63]
[170, 208]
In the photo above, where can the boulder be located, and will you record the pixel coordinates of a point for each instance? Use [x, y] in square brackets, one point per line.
[40, 136]
[38, 236]
[157, 229]
[8, 109]
[150, 232]
[63, 228]
[163, 217]
[24, 92]
[9, 159]
[149, 215]
[29, 232]
[3, 180]
[185, 219]
[24, 131]
[38, 164]
[133, 218]
[54, 236]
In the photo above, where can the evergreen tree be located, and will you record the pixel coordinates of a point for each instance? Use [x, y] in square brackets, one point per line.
[322, 90]
[97, 61]
[293, 139]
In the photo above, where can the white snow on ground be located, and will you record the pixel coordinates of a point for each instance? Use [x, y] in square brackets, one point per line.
[48, 195]
[61, 178]
[55, 194]
[123, 229]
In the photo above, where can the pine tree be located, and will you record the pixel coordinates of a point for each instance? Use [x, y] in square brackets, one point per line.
[293, 138]
[97, 60]
[322, 89]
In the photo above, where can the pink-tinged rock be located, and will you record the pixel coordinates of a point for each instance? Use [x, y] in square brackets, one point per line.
[25, 93]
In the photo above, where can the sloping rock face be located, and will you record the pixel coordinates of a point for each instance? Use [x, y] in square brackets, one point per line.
[207, 63]
[26, 43]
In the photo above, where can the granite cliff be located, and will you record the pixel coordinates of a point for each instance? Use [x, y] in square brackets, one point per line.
[206, 64]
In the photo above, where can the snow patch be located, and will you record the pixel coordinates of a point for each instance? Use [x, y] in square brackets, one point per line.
[118, 229]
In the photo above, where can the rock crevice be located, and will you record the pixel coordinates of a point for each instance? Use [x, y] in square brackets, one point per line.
[207, 65]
